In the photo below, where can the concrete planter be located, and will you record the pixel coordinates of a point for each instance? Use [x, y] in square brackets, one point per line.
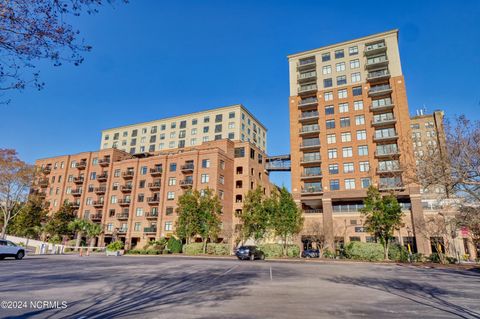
[114, 252]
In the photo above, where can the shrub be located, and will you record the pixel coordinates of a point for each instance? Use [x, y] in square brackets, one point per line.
[434, 258]
[55, 239]
[452, 260]
[328, 254]
[364, 251]
[276, 250]
[174, 245]
[116, 245]
[398, 253]
[418, 258]
[165, 251]
[193, 249]
[218, 249]
[71, 242]
[152, 252]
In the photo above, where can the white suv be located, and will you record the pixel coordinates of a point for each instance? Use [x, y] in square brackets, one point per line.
[9, 249]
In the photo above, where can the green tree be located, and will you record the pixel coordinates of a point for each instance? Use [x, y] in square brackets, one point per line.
[383, 216]
[79, 227]
[254, 217]
[187, 225]
[57, 226]
[286, 219]
[30, 220]
[209, 211]
[93, 230]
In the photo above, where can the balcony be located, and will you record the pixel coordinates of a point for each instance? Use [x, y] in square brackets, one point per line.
[78, 180]
[151, 215]
[389, 154]
[390, 170]
[308, 102]
[76, 192]
[104, 162]
[377, 62]
[38, 193]
[307, 76]
[312, 211]
[81, 165]
[122, 231]
[385, 138]
[186, 183]
[307, 89]
[308, 116]
[310, 145]
[47, 170]
[150, 230]
[154, 186]
[98, 203]
[379, 90]
[310, 175]
[309, 130]
[377, 76]
[306, 64]
[391, 187]
[376, 48]
[43, 182]
[310, 191]
[96, 217]
[100, 190]
[310, 160]
[75, 205]
[155, 200]
[156, 171]
[122, 216]
[187, 168]
[128, 174]
[126, 188]
[389, 120]
[102, 177]
[382, 107]
[124, 202]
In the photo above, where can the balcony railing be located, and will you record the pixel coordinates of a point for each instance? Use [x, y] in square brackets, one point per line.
[376, 62]
[122, 231]
[306, 116]
[309, 129]
[96, 217]
[104, 162]
[311, 159]
[391, 187]
[157, 171]
[47, 170]
[310, 144]
[375, 48]
[124, 202]
[310, 101]
[312, 211]
[187, 168]
[100, 190]
[102, 177]
[76, 192]
[310, 175]
[151, 229]
[126, 188]
[307, 88]
[153, 200]
[386, 120]
[306, 64]
[389, 153]
[128, 174]
[151, 215]
[122, 216]
[379, 75]
[43, 182]
[312, 190]
[75, 205]
[154, 186]
[186, 183]
[98, 203]
[307, 76]
[389, 170]
[379, 90]
[81, 165]
[78, 180]
[385, 137]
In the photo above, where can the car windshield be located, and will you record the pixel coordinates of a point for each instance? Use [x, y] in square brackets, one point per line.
[9, 243]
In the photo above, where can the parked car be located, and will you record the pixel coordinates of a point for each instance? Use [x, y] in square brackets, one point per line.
[311, 253]
[9, 249]
[249, 252]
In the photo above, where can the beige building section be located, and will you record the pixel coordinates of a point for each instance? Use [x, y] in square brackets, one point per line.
[233, 122]
[135, 197]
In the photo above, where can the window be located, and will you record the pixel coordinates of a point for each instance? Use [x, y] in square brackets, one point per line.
[355, 77]
[222, 164]
[348, 168]
[354, 64]
[327, 83]
[181, 144]
[327, 69]
[325, 57]
[163, 127]
[218, 128]
[347, 152]
[356, 91]
[343, 107]
[93, 176]
[329, 110]
[330, 124]
[205, 139]
[169, 226]
[353, 50]
[170, 195]
[340, 66]
[139, 212]
[328, 96]
[218, 118]
[365, 181]
[333, 169]
[206, 119]
[360, 120]
[205, 163]
[173, 167]
[204, 178]
[332, 153]
[137, 226]
[361, 135]
[364, 166]
[173, 134]
[183, 124]
[346, 137]
[231, 125]
[89, 201]
[231, 115]
[239, 152]
[169, 211]
[339, 54]
[342, 94]
[334, 185]
[173, 125]
[194, 121]
[358, 105]
[331, 139]
[350, 183]
[218, 137]
[344, 122]
[363, 150]
[113, 199]
[341, 80]
[116, 173]
[205, 129]
[182, 134]
[221, 180]
[231, 136]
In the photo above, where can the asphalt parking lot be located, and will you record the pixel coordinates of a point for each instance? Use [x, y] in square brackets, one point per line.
[179, 287]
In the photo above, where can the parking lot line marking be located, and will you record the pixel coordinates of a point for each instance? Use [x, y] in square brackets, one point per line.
[229, 270]
[271, 277]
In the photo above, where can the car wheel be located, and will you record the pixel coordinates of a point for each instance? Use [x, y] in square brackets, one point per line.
[252, 257]
[2, 257]
[20, 255]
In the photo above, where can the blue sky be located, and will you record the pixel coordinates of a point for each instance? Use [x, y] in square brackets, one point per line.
[153, 59]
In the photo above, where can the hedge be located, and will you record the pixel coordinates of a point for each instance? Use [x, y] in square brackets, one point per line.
[276, 250]
[144, 252]
[374, 251]
[193, 249]
[174, 245]
[218, 249]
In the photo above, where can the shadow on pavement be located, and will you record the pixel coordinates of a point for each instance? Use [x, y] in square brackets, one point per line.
[421, 293]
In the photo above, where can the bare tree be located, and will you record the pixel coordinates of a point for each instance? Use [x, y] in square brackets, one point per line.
[31, 31]
[315, 233]
[15, 179]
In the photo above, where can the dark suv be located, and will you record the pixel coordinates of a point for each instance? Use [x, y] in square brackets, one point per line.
[311, 253]
[249, 252]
